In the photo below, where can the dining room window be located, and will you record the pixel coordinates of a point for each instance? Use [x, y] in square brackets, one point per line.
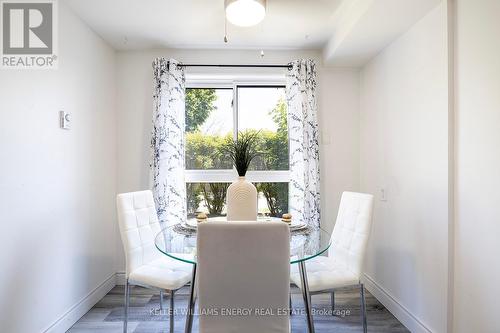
[215, 113]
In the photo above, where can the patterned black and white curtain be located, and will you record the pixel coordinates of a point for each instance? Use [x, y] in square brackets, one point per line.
[304, 191]
[167, 141]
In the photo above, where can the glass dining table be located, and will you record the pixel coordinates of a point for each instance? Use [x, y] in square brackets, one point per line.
[180, 244]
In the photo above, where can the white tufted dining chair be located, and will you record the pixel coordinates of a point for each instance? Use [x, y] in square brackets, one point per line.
[145, 265]
[343, 266]
[243, 266]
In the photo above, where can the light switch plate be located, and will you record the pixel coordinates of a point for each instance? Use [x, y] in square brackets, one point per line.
[383, 194]
[325, 137]
[64, 120]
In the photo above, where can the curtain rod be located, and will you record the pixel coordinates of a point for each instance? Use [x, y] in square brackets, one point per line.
[288, 66]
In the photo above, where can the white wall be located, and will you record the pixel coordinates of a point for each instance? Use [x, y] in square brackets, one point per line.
[477, 224]
[57, 187]
[404, 149]
[338, 117]
[338, 104]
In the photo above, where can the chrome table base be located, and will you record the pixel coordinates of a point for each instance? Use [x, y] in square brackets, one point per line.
[307, 296]
[192, 298]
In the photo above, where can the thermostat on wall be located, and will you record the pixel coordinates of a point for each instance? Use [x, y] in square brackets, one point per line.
[64, 119]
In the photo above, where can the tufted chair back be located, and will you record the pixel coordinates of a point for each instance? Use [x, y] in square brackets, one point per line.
[139, 225]
[352, 230]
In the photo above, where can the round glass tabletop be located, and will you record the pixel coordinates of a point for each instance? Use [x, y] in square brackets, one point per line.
[182, 246]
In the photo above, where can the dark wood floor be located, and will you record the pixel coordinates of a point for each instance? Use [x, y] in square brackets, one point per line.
[107, 315]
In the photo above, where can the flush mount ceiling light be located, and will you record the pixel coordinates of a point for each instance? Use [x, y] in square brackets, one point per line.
[245, 13]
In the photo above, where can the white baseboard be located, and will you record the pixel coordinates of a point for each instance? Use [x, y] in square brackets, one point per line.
[397, 309]
[71, 316]
[120, 278]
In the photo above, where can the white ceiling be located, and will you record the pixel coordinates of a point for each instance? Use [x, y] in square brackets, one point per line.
[200, 23]
[362, 28]
[348, 31]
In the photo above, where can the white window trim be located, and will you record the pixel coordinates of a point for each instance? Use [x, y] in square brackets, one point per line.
[229, 175]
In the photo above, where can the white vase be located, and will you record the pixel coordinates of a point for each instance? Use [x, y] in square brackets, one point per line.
[241, 201]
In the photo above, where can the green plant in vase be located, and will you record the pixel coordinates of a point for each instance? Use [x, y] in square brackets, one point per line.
[241, 194]
[242, 150]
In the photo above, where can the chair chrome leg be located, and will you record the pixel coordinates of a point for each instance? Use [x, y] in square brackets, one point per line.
[171, 311]
[127, 300]
[161, 301]
[306, 295]
[363, 307]
[332, 297]
[189, 317]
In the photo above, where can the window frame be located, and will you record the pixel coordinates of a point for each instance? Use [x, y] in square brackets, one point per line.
[229, 175]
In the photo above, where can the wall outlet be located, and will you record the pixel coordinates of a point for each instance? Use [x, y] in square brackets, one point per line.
[64, 120]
